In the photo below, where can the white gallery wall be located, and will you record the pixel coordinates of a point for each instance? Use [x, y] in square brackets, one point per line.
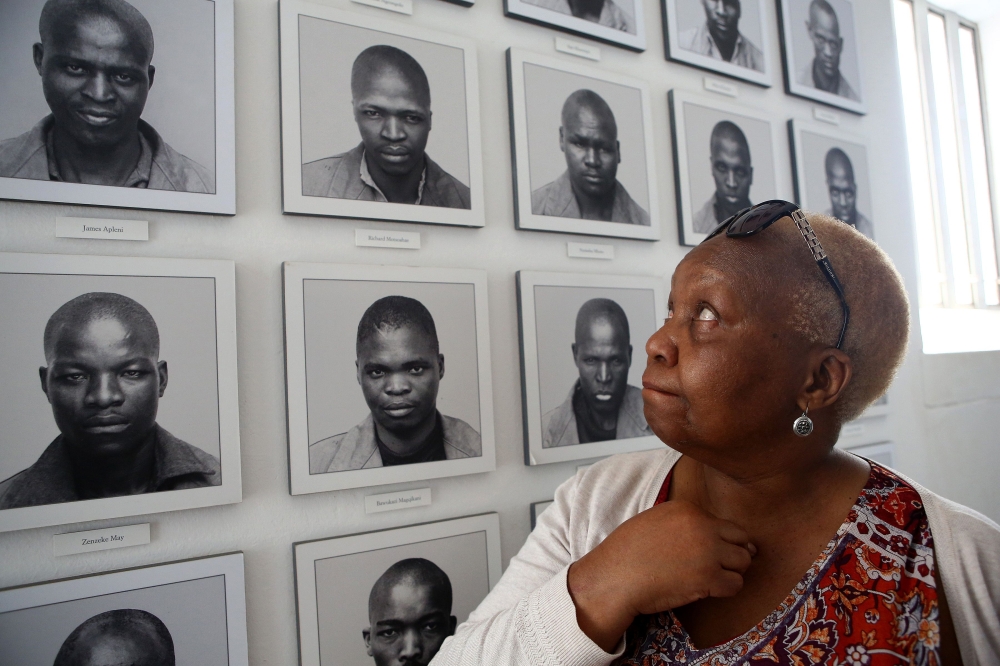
[944, 434]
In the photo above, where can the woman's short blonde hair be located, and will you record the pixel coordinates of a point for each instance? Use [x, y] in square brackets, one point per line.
[880, 311]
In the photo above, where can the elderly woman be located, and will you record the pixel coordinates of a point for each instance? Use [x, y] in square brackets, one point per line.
[752, 539]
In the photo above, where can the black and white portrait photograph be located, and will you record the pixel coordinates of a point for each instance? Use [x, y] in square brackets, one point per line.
[191, 612]
[723, 36]
[392, 597]
[388, 375]
[725, 160]
[119, 393]
[822, 53]
[618, 22]
[379, 120]
[831, 174]
[583, 157]
[583, 340]
[126, 103]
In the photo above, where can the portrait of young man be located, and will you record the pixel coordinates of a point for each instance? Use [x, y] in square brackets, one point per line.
[399, 366]
[823, 71]
[589, 188]
[732, 172]
[843, 189]
[122, 636]
[602, 12]
[104, 379]
[601, 405]
[95, 63]
[391, 101]
[719, 37]
[409, 614]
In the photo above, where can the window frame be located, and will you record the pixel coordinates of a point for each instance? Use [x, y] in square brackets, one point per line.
[948, 278]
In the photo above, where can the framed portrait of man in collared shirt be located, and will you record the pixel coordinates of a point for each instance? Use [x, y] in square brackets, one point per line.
[729, 37]
[618, 22]
[126, 103]
[583, 149]
[725, 160]
[388, 375]
[821, 46]
[119, 392]
[379, 120]
[582, 340]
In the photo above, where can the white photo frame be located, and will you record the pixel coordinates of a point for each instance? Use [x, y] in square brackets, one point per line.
[164, 591]
[424, 541]
[686, 39]
[297, 91]
[54, 277]
[764, 143]
[536, 510]
[470, 320]
[634, 294]
[627, 19]
[810, 144]
[627, 97]
[222, 115]
[798, 52]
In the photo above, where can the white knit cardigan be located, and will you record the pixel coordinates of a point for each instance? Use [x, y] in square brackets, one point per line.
[529, 617]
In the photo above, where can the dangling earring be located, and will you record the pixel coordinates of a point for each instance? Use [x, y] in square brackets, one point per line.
[803, 425]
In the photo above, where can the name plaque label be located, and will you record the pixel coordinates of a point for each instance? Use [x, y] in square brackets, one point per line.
[402, 499]
[826, 116]
[398, 6]
[722, 87]
[74, 543]
[578, 49]
[101, 229]
[405, 240]
[589, 251]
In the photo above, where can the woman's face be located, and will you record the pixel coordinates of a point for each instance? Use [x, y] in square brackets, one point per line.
[722, 372]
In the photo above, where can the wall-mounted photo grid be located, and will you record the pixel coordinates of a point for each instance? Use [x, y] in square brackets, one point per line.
[618, 22]
[388, 372]
[191, 612]
[822, 54]
[582, 144]
[725, 160]
[582, 344]
[723, 36]
[160, 136]
[114, 361]
[357, 100]
[392, 596]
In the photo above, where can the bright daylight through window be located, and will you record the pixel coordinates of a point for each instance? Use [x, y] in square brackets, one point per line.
[940, 69]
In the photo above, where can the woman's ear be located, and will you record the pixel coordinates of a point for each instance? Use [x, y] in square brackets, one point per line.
[831, 372]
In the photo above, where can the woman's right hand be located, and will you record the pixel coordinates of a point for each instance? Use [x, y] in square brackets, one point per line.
[666, 557]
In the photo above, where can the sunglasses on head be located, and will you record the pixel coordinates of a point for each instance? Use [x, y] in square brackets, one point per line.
[755, 219]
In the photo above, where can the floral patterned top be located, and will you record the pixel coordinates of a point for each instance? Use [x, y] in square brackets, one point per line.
[869, 599]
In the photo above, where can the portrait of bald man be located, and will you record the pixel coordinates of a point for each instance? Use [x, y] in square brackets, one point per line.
[823, 71]
[95, 62]
[843, 188]
[409, 614]
[601, 404]
[719, 36]
[103, 379]
[399, 367]
[732, 172]
[391, 100]
[116, 638]
[589, 188]
[601, 12]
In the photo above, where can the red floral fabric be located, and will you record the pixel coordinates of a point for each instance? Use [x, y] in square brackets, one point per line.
[869, 599]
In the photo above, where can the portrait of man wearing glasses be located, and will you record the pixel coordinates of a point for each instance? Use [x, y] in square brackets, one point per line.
[823, 71]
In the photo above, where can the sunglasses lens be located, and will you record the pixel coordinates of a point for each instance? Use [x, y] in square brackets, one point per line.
[755, 219]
